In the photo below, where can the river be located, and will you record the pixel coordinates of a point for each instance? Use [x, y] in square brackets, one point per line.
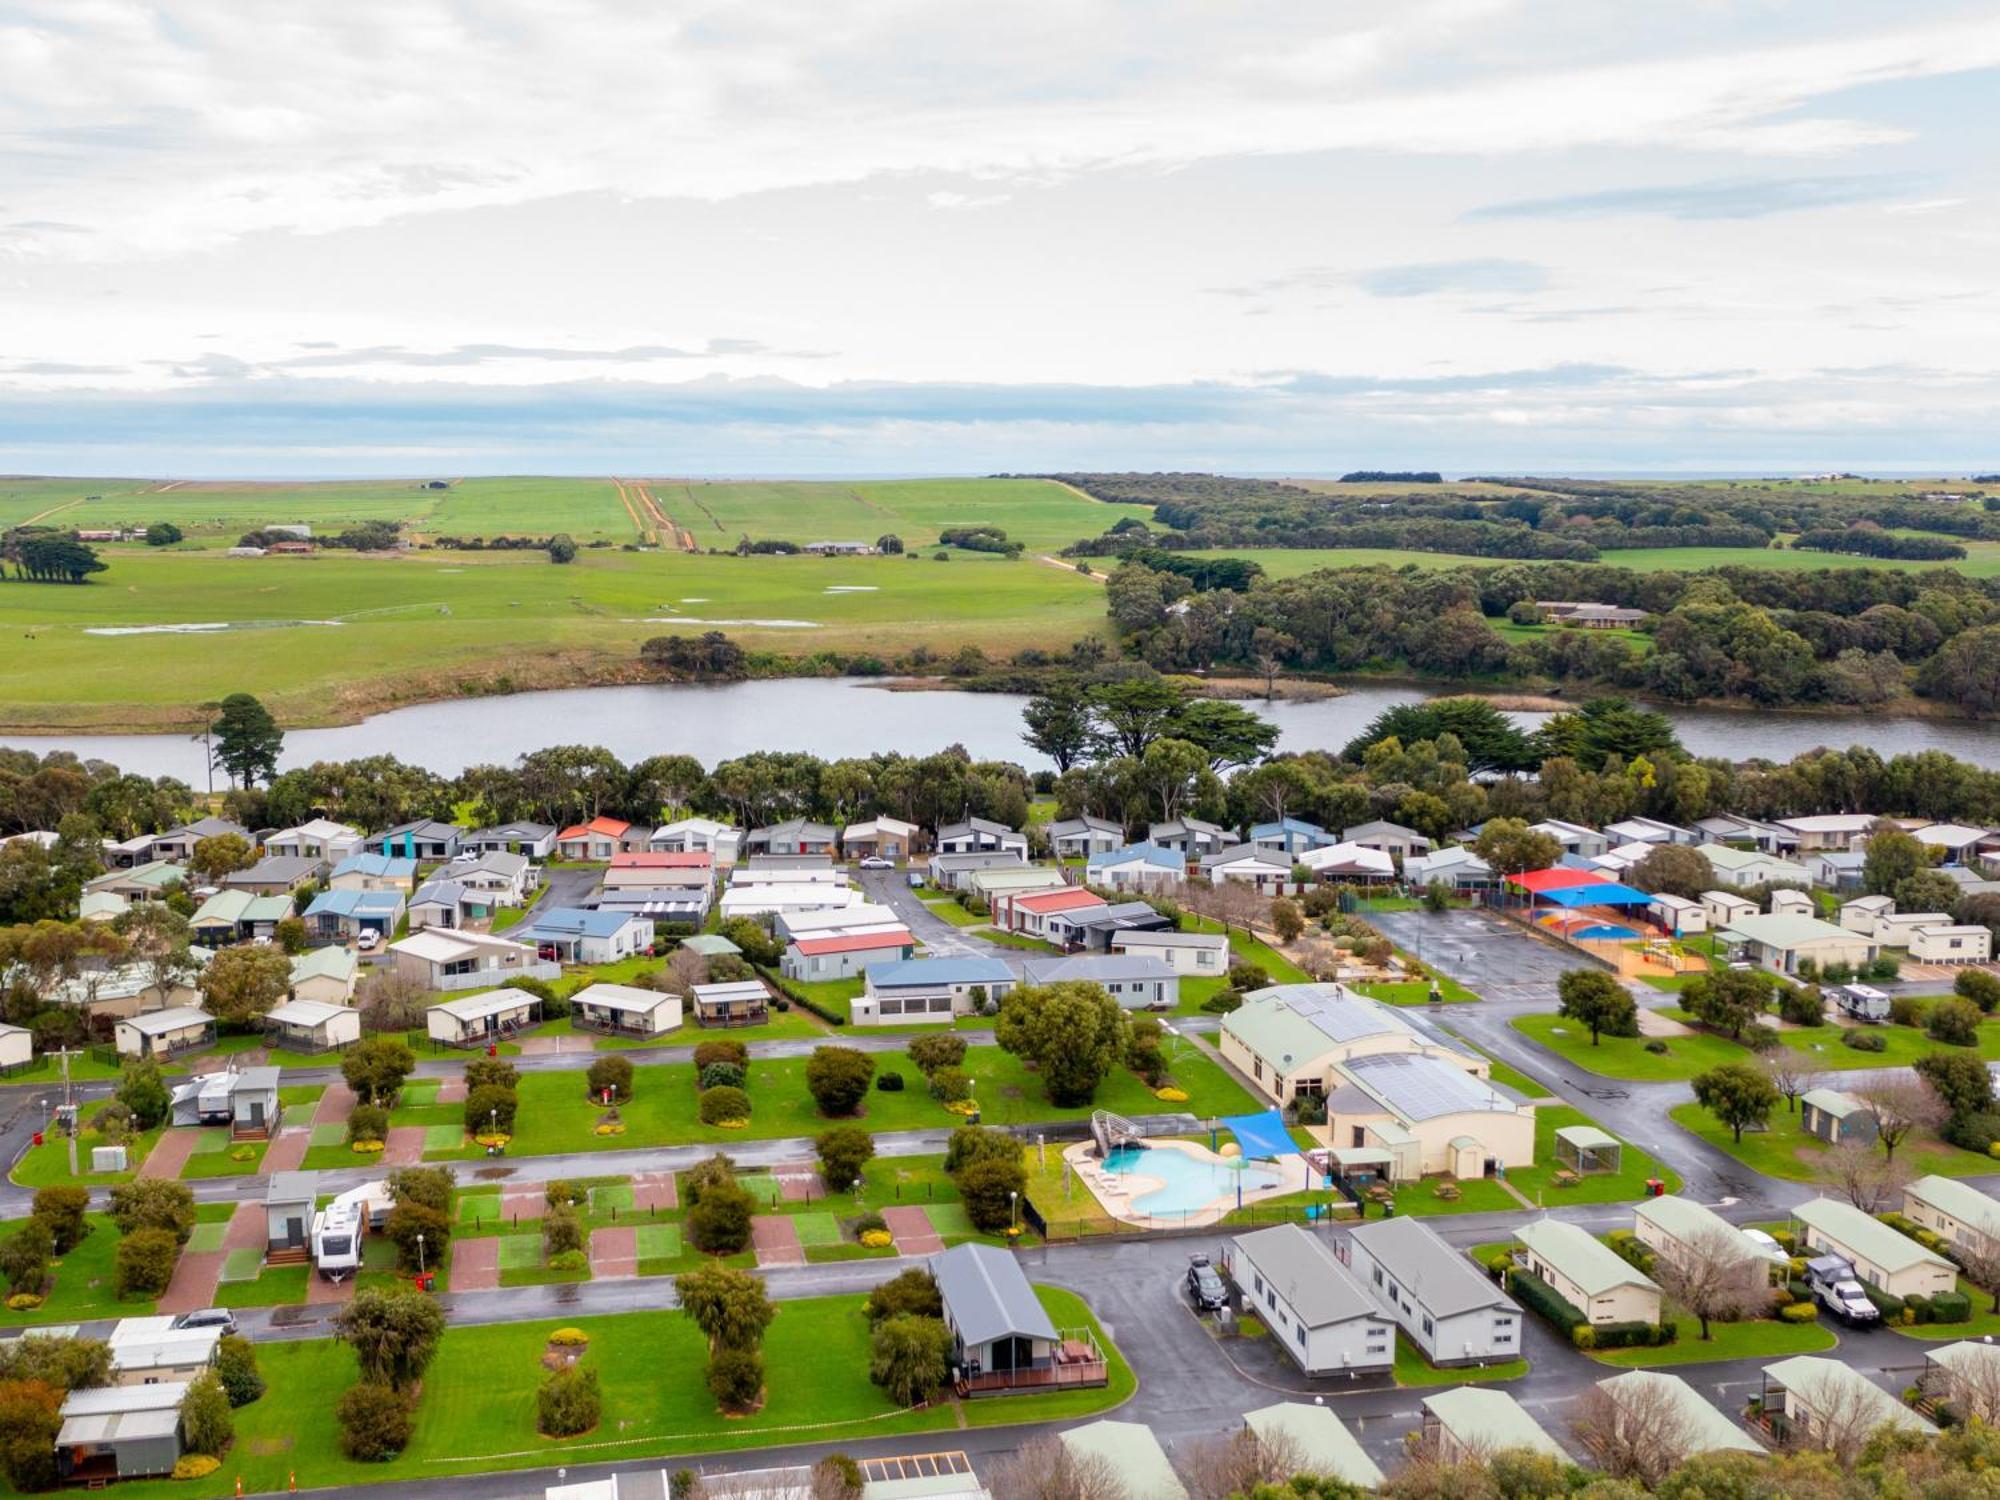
[837, 717]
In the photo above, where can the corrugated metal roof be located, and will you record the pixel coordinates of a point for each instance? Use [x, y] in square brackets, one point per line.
[1417, 1087]
[1490, 1420]
[1324, 1444]
[987, 1295]
[1308, 1276]
[1581, 1257]
[1444, 1282]
[1865, 1235]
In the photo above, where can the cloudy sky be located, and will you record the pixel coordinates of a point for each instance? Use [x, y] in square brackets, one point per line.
[895, 236]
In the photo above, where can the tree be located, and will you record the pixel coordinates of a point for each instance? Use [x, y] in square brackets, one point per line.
[1287, 920]
[289, 933]
[1227, 734]
[142, 1090]
[1978, 986]
[30, 1418]
[1954, 1022]
[569, 1402]
[219, 855]
[1737, 1094]
[1728, 1002]
[1892, 857]
[206, 1425]
[1901, 1107]
[729, 1305]
[735, 1374]
[562, 548]
[429, 1186]
[1870, 1181]
[1047, 1468]
[1168, 775]
[1073, 1032]
[1641, 1433]
[394, 1332]
[162, 534]
[374, 1422]
[1965, 671]
[1591, 997]
[236, 1368]
[246, 740]
[990, 1189]
[63, 1210]
[1059, 723]
[889, 544]
[390, 1002]
[242, 984]
[153, 1203]
[1960, 1080]
[1240, 1462]
[68, 1364]
[843, 1152]
[375, 1068]
[144, 1262]
[1713, 1277]
[718, 1223]
[420, 1234]
[1511, 847]
[838, 1078]
[491, 1108]
[1132, 712]
[1791, 1073]
[1673, 870]
[24, 1258]
[909, 1357]
[1927, 890]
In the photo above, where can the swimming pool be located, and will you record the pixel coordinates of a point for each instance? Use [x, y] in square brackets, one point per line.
[1606, 933]
[1189, 1185]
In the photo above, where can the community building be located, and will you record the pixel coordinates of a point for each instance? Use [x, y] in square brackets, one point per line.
[1780, 942]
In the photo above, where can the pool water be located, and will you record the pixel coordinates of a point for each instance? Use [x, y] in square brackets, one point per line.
[1609, 934]
[1188, 1185]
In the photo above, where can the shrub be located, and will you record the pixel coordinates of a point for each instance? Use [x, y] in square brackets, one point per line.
[613, 1074]
[368, 1122]
[1802, 1005]
[724, 1106]
[62, 1209]
[838, 1078]
[951, 1085]
[144, 1262]
[408, 1221]
[1978, 986]
[562, 1230]
[197, 1465]
[722, 1049]
[869, 1223]
[1657, 1047]
[24, 1258]
[150, 1203]
[1950, 1307]
[1906, 1010]
[374, 1422]
[1954, 1022]
[560, 1192]
[236, 1368]
[722, 1075]
[568, 1403]
[1540, 1297]
[990, 1189]
[720, 1223]
[490, 1108]
[429, 1186]
[843, 1152]
[1864, 1041]
[1222, 1002]
[206, 1426]
[910, 1293]
[735, 1377]
[970, 1143]
[569, 1260]
[569, 1338]
[1798, 1312]
[936, 1050]
[889, 1083]
[909, 1357]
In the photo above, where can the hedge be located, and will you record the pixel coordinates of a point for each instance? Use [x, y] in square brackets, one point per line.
[1888, 1306]
[1951, 1307]
[1628, 1245]
[798, 997]
[1539, 1297]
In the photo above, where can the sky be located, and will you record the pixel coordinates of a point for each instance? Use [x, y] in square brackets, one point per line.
[922, 236]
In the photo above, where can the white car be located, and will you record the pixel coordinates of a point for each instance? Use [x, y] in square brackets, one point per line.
[877, 862]
[367, 941]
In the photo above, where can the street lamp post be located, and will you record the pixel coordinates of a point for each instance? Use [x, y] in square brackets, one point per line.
[420, 1257]
[1014, 1210]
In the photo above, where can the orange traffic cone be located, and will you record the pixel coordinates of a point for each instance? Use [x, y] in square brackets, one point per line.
[295, 1481]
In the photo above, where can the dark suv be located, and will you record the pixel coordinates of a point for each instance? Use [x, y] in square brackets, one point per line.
[1204, 1288]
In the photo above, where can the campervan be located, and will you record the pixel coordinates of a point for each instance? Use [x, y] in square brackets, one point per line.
[338, 1229]
[1862, 1002]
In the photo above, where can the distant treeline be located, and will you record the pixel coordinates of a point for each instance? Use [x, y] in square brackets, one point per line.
[42, 555]
[1393, 476]
[1853, 636]
[1563, 520]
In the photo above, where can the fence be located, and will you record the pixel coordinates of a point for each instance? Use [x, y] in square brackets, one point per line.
[1192, 1222]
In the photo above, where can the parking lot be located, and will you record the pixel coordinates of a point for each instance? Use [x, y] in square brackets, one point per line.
[1486, 953]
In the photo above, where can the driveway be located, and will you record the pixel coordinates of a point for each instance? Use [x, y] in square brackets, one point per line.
[891, 888]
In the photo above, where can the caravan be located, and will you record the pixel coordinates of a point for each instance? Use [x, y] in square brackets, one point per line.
[339, 1228]
[1861, 1002]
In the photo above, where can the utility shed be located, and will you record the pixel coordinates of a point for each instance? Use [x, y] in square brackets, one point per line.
[1585, 1148]
[288, 1210]
[120, 1432]
[1324, 1444]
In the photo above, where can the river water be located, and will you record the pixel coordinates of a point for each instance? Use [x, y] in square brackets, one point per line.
[836, 717]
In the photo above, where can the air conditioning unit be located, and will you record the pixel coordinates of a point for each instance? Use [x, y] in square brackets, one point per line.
[107, 1159]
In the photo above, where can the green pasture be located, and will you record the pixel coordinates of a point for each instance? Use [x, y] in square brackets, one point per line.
[1982, 561]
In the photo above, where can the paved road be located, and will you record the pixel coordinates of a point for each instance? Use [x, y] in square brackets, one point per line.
[891, 888]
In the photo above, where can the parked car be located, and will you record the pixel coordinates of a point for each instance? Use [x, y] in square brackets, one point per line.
[1204, 1287]
[1836, 1288]
[877, 862]
[208, 1317]
[367, 940]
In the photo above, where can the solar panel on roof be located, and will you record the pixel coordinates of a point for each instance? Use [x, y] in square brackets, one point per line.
[1422, 1088]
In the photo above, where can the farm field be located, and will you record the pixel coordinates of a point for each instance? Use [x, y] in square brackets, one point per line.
[427, 624]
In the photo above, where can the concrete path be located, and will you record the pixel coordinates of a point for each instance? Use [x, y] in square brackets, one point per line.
[614, 1253]
[776, 1240]
[323, 1293]
[914, 1232]
[199, 1272]
[404, 1148]
[475, 1264]
[170, 1153]
[287, 1151]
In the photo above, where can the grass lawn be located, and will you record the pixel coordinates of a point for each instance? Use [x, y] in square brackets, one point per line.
[1784, 1150]
[1244, 949]
[1476, 1196]
[83, 1281]
[1413, 1369]
[1017, 940]
[952, 912]
[1418, 992]
[1628, 1183]
[477, 1412]
[47, 1165]
[1904, 1045]
[555, 1116]
[1984, 1322]
[1626, 1056]
[215, 1155]
[1758, 1338]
